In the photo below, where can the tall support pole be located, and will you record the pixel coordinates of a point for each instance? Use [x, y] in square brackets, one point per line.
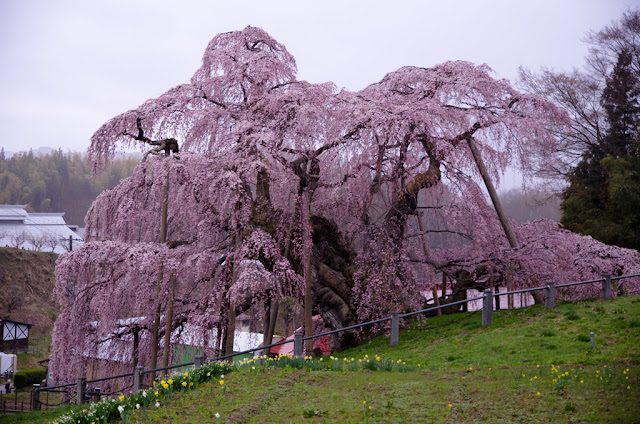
[163, 239]
[169, 323]
[506, 226]
[275, 306]
[308, 279]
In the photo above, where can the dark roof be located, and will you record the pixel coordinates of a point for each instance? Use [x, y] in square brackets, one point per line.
[16, 322]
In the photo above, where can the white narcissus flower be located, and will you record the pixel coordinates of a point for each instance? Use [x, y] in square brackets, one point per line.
[217, 415]
[144, 393]
[121, 409]
[157, 404]
[137, 406]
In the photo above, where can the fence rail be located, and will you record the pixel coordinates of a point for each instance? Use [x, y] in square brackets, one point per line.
[487, 309]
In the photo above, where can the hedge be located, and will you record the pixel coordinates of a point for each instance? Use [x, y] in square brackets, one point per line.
[29, 377]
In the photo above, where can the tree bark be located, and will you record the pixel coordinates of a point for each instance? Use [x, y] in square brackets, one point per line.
[136, 345]
[231, 330]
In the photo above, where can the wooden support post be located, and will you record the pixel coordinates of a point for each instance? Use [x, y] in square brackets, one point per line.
[550, 301]
[137, 379]
[606, 286]
[198, 360]
[81, 390]
[487, 307]
[395, 329]
[297, 344]
[35, 399]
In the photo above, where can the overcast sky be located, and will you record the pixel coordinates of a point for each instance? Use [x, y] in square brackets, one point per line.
[69, 66]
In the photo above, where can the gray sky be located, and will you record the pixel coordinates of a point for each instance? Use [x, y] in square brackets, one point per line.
[69, 66]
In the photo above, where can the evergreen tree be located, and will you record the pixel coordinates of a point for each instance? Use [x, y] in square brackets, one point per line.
[603, 198]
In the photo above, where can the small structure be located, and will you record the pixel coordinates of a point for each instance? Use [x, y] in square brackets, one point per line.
[8, 365]
[243, 323]
[15, 335]
[323, 344]
[44, 232]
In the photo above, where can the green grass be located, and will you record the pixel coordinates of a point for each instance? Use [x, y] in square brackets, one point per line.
[530, 366]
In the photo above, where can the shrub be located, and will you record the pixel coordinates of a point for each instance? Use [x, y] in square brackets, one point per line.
[28, 377]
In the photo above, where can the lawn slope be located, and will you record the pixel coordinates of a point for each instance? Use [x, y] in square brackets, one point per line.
[531, 366]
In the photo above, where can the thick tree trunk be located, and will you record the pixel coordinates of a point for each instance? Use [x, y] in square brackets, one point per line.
[230, 330]
[136, 346]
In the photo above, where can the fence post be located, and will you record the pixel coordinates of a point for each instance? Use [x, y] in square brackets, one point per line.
[487, 307]
[81, 391]
[197, 361]
[137, 378]
[297, 344]
[550, 301]
[395, 329]
[35, 400]
[606, 286]
[593, 340]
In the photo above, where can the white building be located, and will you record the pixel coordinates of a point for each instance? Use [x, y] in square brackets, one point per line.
[44, 232]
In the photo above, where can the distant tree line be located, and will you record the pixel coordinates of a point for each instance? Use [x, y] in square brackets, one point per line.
[57, 182]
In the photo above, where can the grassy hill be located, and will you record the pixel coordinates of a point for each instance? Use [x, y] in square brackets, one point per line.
[530, 366]
[26, 287]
